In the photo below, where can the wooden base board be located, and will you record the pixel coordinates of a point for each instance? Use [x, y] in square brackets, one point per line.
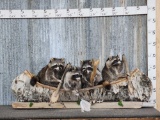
[33, 105]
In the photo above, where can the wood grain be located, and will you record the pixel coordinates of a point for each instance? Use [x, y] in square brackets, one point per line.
[26, 105]
[93, 74]
[106, 105]
[30, 43]
[103, 119]
[158, 54]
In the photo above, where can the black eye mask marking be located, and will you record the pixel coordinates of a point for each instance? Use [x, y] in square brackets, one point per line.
[90, 68]
[74, 77]
[83, 69]
[115, 63]
[55, 66]
[61, 67]
[87, 68]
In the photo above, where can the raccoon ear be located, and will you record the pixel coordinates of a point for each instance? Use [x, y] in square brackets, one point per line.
[90, 61]
[70, 67]
[63, 60]
[51, 60]
[120, 55]
[93, 61]
[74, 67]
[81, 62]
[110, 58]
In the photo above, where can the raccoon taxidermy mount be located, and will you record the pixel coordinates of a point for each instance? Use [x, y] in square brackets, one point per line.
[114, 67]
[50, 74]
[87, 69]
[72, 79]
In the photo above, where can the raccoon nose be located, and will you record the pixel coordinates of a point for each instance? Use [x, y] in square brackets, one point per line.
[73, 85]
[119, 62]
[116, 62]
[57, 68]
[88, 71]
[80, 76]
[78, 79]
[60, 68]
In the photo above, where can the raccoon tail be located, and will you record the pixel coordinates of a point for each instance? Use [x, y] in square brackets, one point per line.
[34, 80]
[107, 85]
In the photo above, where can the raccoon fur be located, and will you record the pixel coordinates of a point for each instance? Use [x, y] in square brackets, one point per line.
[50, 74]
[113, 68]
[87, 69]
[72, 79]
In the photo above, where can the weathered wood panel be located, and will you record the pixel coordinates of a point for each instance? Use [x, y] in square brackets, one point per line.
[106, 119]
[30, 43]
[70, 105]
[158, 54]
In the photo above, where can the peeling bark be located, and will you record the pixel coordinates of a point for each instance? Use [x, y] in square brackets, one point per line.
[139, 83]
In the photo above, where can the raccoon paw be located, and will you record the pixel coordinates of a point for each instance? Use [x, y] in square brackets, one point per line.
[100, 101]
[33, 80]
[108, 87]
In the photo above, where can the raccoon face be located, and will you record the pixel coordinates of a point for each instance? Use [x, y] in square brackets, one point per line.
[76, 74]
[113, 61]
[57, 64]
[72, 79]
[86, 66]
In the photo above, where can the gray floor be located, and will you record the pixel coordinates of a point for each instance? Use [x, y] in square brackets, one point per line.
[7, 112]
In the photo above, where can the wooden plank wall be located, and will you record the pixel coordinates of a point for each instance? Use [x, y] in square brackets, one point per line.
[152, 118]
[106, 119]
[30, 43]
[158, 54]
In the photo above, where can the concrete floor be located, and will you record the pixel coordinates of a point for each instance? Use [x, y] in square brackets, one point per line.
[7, 112]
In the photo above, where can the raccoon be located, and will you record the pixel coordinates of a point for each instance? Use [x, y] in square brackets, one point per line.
[113, 68]
[50, 74]
[87, 69]
[72, 79]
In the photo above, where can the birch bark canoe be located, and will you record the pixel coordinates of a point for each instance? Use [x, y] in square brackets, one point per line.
[140, 84]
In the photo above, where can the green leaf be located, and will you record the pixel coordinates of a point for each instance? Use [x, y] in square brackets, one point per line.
[78, 102]
[120, 103]
[30, 104]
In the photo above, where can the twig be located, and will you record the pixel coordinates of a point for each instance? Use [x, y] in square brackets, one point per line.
[125, 64]
[62, 79]
[93, 74]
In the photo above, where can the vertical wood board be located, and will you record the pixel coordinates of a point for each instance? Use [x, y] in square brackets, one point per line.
[30, 43]
[158, 54]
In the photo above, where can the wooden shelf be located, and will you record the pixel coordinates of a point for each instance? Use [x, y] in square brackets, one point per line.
[7, 112]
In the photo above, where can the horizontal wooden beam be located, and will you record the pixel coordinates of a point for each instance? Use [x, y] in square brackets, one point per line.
[63, 13]
[115, 119]
[33, 105]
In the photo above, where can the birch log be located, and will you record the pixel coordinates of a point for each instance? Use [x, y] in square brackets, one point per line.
[141, 85]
